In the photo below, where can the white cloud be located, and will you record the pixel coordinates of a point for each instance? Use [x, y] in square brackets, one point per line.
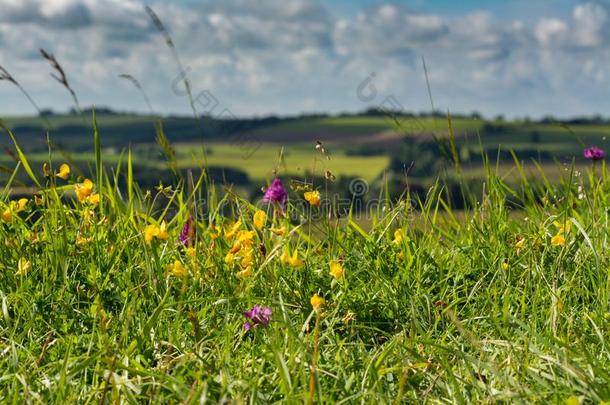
[282, 55]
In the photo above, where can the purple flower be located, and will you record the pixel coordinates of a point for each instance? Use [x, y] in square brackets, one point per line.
[594, 153]
[257, 316]
[187, 235]
[276, 192]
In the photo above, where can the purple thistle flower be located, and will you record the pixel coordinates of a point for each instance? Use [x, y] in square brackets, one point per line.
[594, 153]
[276, 192]
[187, 235]
[257, 316]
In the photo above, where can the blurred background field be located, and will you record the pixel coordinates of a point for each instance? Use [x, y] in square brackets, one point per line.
[373, 146]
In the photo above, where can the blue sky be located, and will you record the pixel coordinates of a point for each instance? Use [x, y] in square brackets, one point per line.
[258, 57]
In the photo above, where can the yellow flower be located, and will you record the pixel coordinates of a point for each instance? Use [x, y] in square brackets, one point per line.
[247, 260]
[7, 215]
[229, 258]
[38, 199]
[562, 228]
[19, 205]
[23, 267]
[295, 261]
[292, 260]
[313, 198]
[316, 302]
[520, 243]
[398, 237]
[236, 247]
[573, 400]
[216, 231]
[94, 199]
[232, 230]
[558, 240]
[504, 265]
[153, 231]
[285, 257]
[177, 269]
[246, 237]
[336, 270]
[259, 219]
[64, 172]
[279, 231]
[247, 272]
[83, 190]
[191, 252]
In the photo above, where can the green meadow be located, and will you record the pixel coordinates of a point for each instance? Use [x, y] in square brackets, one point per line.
[115, 293]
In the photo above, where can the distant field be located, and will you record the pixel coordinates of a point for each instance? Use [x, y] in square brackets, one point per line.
[360, 146]
[297, 160]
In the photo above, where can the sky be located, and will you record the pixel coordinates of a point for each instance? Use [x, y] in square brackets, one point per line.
[284, 57]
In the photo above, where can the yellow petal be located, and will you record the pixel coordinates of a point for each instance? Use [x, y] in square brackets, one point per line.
[279, 231]
[259, 219]
[316, 302]
[336, 270]
[64, 172]
[94, 199]
[313, 197]
[558, 240]
[7, 216]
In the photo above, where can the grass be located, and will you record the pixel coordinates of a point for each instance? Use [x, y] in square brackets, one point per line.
[434, 306]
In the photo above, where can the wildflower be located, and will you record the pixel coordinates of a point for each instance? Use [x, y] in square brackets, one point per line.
[246, 237]
[558, 240]
[187, 235]
[64, 172]
[235, 248]
[230, 258]
[46, 169]
[7, 215]
[336, 270]
[247, 259]
[292, 260]
[398, 237]
[94, 199]
[259, 219]
[257, 316]
[191, 252]
[519, 244]
[247, 272]
[83, 190]
[23, 267]
[153, 231]
[313, 198]
[232, 230]
[19, 205]
[38, 199]
[216, 231]
[317, 302]
[504, 265]
[562, 228]
[279, 231]
[276, 192]
[177, 269]
[594, 153]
